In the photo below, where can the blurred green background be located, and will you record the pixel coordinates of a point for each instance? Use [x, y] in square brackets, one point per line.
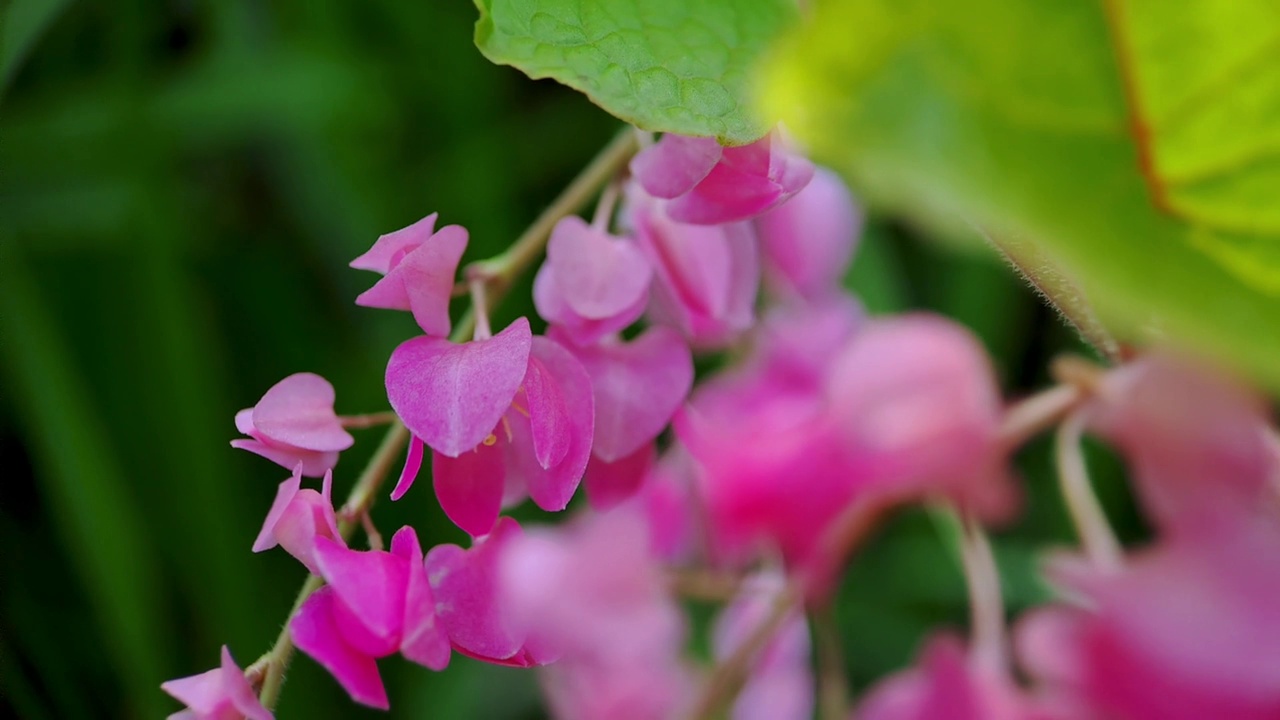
[181, 187]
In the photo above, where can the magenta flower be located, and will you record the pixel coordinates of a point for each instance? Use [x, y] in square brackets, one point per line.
[1196, 443]
[808, 242]
[376, 603]
[592, 594]
[297, 517]
[610, 483]
[705, 277]
[219, 694]
[293, 423]
[948, 686]
[780, 686]
[418, 268]
[1188, 630]
[471, 607]
[708, 184]
[504, 416]
[591, 284]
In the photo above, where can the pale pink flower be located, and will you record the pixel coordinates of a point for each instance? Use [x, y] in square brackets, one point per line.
[780, 684]
[375, 604]
[808, 242]
[709, 184]
[293, 423]
[418, 265]
[297, 517]
[219, 694]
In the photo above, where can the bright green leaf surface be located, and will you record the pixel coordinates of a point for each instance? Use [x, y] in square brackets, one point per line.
[1012, 116]
[662, 65]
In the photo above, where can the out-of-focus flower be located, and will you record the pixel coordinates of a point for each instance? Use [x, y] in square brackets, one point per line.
[592, 284]
[808, 242]
[592, 594]
[780, 683]
[708, 184]
[293, 423]
[418, 266]
[297, 517]
[375, 604]
[219, 694]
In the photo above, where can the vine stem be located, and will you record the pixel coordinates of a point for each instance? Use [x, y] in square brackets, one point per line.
[1021, 421]
[1099, 541]
[987, 645]
[502, 269]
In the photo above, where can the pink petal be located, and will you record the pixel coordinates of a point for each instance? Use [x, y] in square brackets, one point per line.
[637, 386]
[423, 281]
[467, 600]
[316, 633]
[548, 415]
[424, 640]
[470, 487]
[237, 687]
[780, 684]
[747, 181]
[390, 248]
[202, 693]
[314, 464]
[552, 306]
[452, 395]
[609, 483]
[284, 495]
[370, 587]
[599, 276]
[244, 422]
[412, 464]
[809, 241]
[676, 163]
[552, 486]
[298, 411]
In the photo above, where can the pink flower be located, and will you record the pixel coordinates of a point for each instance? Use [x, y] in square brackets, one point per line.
[780, 686]
[376, 603]
[591, 284]
[504, 416]
[219, 694]
[808, 242]
[709, 184]
[1188, 630]
[948, 686]
[1196, 442]
[592, 594]
[298, 517]
[418, 268]
[293, 423]
[705, 277]
[471, 606]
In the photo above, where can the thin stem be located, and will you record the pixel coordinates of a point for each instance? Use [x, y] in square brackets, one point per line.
[505, 267]
[480, 309]
[604, 207]
[704, 585]
[1038, 413]
[371, 532]
[987, 643]
[1095, 532]
[833, 684]
[368, 420]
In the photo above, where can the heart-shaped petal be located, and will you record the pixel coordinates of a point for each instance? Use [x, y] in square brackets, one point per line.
[424, 640]
[470, 486]
[598, 275]
[465, 587]
[637, 386]
[673, 165]
[388, 250]
[371, 586]
[452, 395]
[298, 411]
[315, 631]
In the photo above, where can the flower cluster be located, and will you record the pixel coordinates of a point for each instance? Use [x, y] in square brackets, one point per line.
[767, 472]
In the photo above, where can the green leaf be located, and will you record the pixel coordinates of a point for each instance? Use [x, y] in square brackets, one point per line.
[662, 65]
[1016, 117]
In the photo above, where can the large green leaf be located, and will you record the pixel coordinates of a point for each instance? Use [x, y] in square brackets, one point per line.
[1031, 120]
[662, 65]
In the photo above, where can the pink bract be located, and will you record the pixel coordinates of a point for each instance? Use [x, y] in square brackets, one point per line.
[708, 184]
[376, 603]
[418, 266]
[591, 284]
[637, 387]
[293, 423]
[809, 241]
[297, 517]
[219, 694]
[451, 395]
[780, 685]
